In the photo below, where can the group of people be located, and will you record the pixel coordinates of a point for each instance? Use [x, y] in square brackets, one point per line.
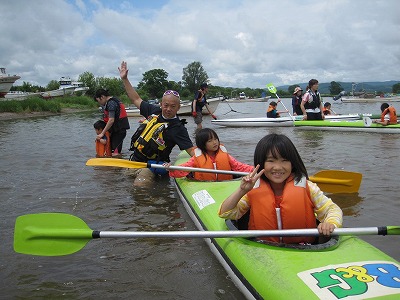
[155, 138]
[310, 105]
[111, 131]
[276, 191]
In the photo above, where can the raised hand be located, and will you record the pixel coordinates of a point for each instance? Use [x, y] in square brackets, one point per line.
[249, 181]
[123, 70]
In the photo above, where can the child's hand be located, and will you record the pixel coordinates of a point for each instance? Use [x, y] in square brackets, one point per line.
[326, 228]
[248, 181]
[167, 165]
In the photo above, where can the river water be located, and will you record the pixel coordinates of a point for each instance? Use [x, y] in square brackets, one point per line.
[43, 170]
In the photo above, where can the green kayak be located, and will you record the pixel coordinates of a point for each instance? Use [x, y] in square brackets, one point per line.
[347, 125]
[345, 267]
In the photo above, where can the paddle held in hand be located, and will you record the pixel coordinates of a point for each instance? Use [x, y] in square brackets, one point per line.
[272, 89]
[54, 234]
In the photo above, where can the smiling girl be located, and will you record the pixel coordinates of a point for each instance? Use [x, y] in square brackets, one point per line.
[211, 154]
[280, 196]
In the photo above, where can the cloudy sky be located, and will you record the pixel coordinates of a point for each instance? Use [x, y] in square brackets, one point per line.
[239, 43]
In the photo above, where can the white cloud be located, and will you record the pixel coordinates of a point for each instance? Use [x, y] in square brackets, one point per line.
[239, 43]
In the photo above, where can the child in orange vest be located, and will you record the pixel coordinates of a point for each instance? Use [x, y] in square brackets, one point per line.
[280, 196]
[327, 108]
[210, 154]
[103, 147]
[272, 112]
[388, 116]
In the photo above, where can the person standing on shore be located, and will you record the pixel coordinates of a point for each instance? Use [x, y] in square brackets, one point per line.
[116, 120]
[296, 101]
[198, 103]
[311, 104]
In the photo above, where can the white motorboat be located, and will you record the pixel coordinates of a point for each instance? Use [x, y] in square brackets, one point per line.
[6, 82]
[67, 87]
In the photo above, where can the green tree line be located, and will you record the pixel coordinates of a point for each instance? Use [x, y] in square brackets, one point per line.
[155, 82]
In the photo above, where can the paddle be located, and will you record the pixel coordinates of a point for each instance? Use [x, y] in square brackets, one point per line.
[53, 234]
[330, 181]
[272, 89]
[337, 181]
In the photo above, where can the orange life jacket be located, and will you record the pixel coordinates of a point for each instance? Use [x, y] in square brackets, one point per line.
[326, 111]
[296, 209]
[204, 161]
[392, 113]
[270, 109]
[104, 150]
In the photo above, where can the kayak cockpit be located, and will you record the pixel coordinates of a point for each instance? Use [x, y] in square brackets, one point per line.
[320, 243]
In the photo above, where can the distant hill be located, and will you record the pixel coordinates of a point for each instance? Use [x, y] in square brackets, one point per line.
[383, 86]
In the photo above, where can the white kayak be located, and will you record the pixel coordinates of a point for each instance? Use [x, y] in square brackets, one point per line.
[274, 122]
[255, 122]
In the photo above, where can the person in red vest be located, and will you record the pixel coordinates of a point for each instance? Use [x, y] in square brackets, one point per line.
[116, 120]
[388, 116]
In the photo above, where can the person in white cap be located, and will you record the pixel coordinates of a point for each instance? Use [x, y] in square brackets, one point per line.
[296, 101]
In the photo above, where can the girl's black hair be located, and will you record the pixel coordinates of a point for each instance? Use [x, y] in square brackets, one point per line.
[202, 136]
[384, 106]
[279, 144]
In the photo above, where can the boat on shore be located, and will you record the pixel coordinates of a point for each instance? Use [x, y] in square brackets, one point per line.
[344, 267]
[6, 82]
[67, 87]
[57, 93]
[356, 99]
[18, 95]
[185, 110]
[274, 122]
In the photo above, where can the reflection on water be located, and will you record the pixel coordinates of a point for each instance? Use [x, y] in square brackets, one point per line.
[43, 170]
[349, 203]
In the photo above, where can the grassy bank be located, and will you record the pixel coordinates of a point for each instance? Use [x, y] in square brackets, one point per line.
[55, 105]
